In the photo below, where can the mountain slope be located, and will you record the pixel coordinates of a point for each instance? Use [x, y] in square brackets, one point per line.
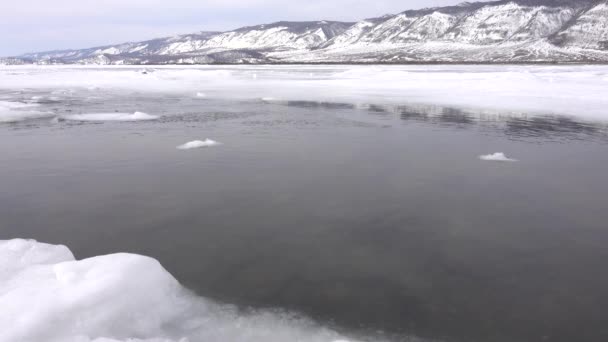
[589, 30]
[500, 31]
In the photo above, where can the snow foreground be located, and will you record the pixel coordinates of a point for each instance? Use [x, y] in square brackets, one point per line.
[497, 157]
[137, 116]
[502, 89]
[198, 144]
[46, 295]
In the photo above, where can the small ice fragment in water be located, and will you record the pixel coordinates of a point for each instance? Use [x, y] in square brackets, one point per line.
[498, 156]
[201, 95]
[198, 144]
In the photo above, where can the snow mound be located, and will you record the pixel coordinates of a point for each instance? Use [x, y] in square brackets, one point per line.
[17, 111]
[198, 144]
[46, 295]
[137, 116]
[498, 157]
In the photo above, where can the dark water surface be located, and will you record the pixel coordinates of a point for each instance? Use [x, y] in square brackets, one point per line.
[371, 217]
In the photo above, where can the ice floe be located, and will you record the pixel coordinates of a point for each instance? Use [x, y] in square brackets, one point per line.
[47, 295]
[17, 111]
[497, 157]
[137, 116]
[198, 144]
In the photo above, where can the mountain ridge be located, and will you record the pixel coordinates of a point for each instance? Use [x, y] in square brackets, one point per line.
[492, 32]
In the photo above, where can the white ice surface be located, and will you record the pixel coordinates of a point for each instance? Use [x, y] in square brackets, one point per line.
[48, 296]
[498, 157]
[568, 90]
[137, 116]
[198, 144]
[16, 111]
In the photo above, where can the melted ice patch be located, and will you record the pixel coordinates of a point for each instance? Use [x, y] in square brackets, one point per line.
[497, 157]
[47, 295]
[137, 116]
[198, 144]
[17, 111]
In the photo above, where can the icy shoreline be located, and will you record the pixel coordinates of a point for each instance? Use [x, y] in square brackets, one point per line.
[47, 295]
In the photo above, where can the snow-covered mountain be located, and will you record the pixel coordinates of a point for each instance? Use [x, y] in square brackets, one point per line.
[500, 31]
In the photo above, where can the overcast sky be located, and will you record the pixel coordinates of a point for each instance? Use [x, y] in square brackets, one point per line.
[37, 25]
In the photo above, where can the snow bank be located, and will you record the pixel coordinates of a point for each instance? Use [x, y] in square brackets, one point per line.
[17, 111]
[46, 295]
[198, 144]
[498, 156]
[137, 116]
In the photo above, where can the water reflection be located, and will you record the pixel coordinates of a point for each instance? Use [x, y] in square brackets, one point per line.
[548, 126]
[173, 108]
[455, 116]
[324, 105]
[512, 124]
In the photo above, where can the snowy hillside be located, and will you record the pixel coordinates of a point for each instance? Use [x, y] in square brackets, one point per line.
[501, 31]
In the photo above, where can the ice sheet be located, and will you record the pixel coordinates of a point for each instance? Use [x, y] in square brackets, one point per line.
[46, 295]
[569, 90]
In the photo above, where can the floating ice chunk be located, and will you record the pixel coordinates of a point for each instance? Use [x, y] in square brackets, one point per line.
[52, 297]
[46, 295]
[137, 116]
[269, 99]
[198, 144]
[17, 116]
[17, 111]
[199, 94]
[498, 157]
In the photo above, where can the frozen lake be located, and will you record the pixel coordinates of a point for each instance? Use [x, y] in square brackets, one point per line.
[457, 203]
